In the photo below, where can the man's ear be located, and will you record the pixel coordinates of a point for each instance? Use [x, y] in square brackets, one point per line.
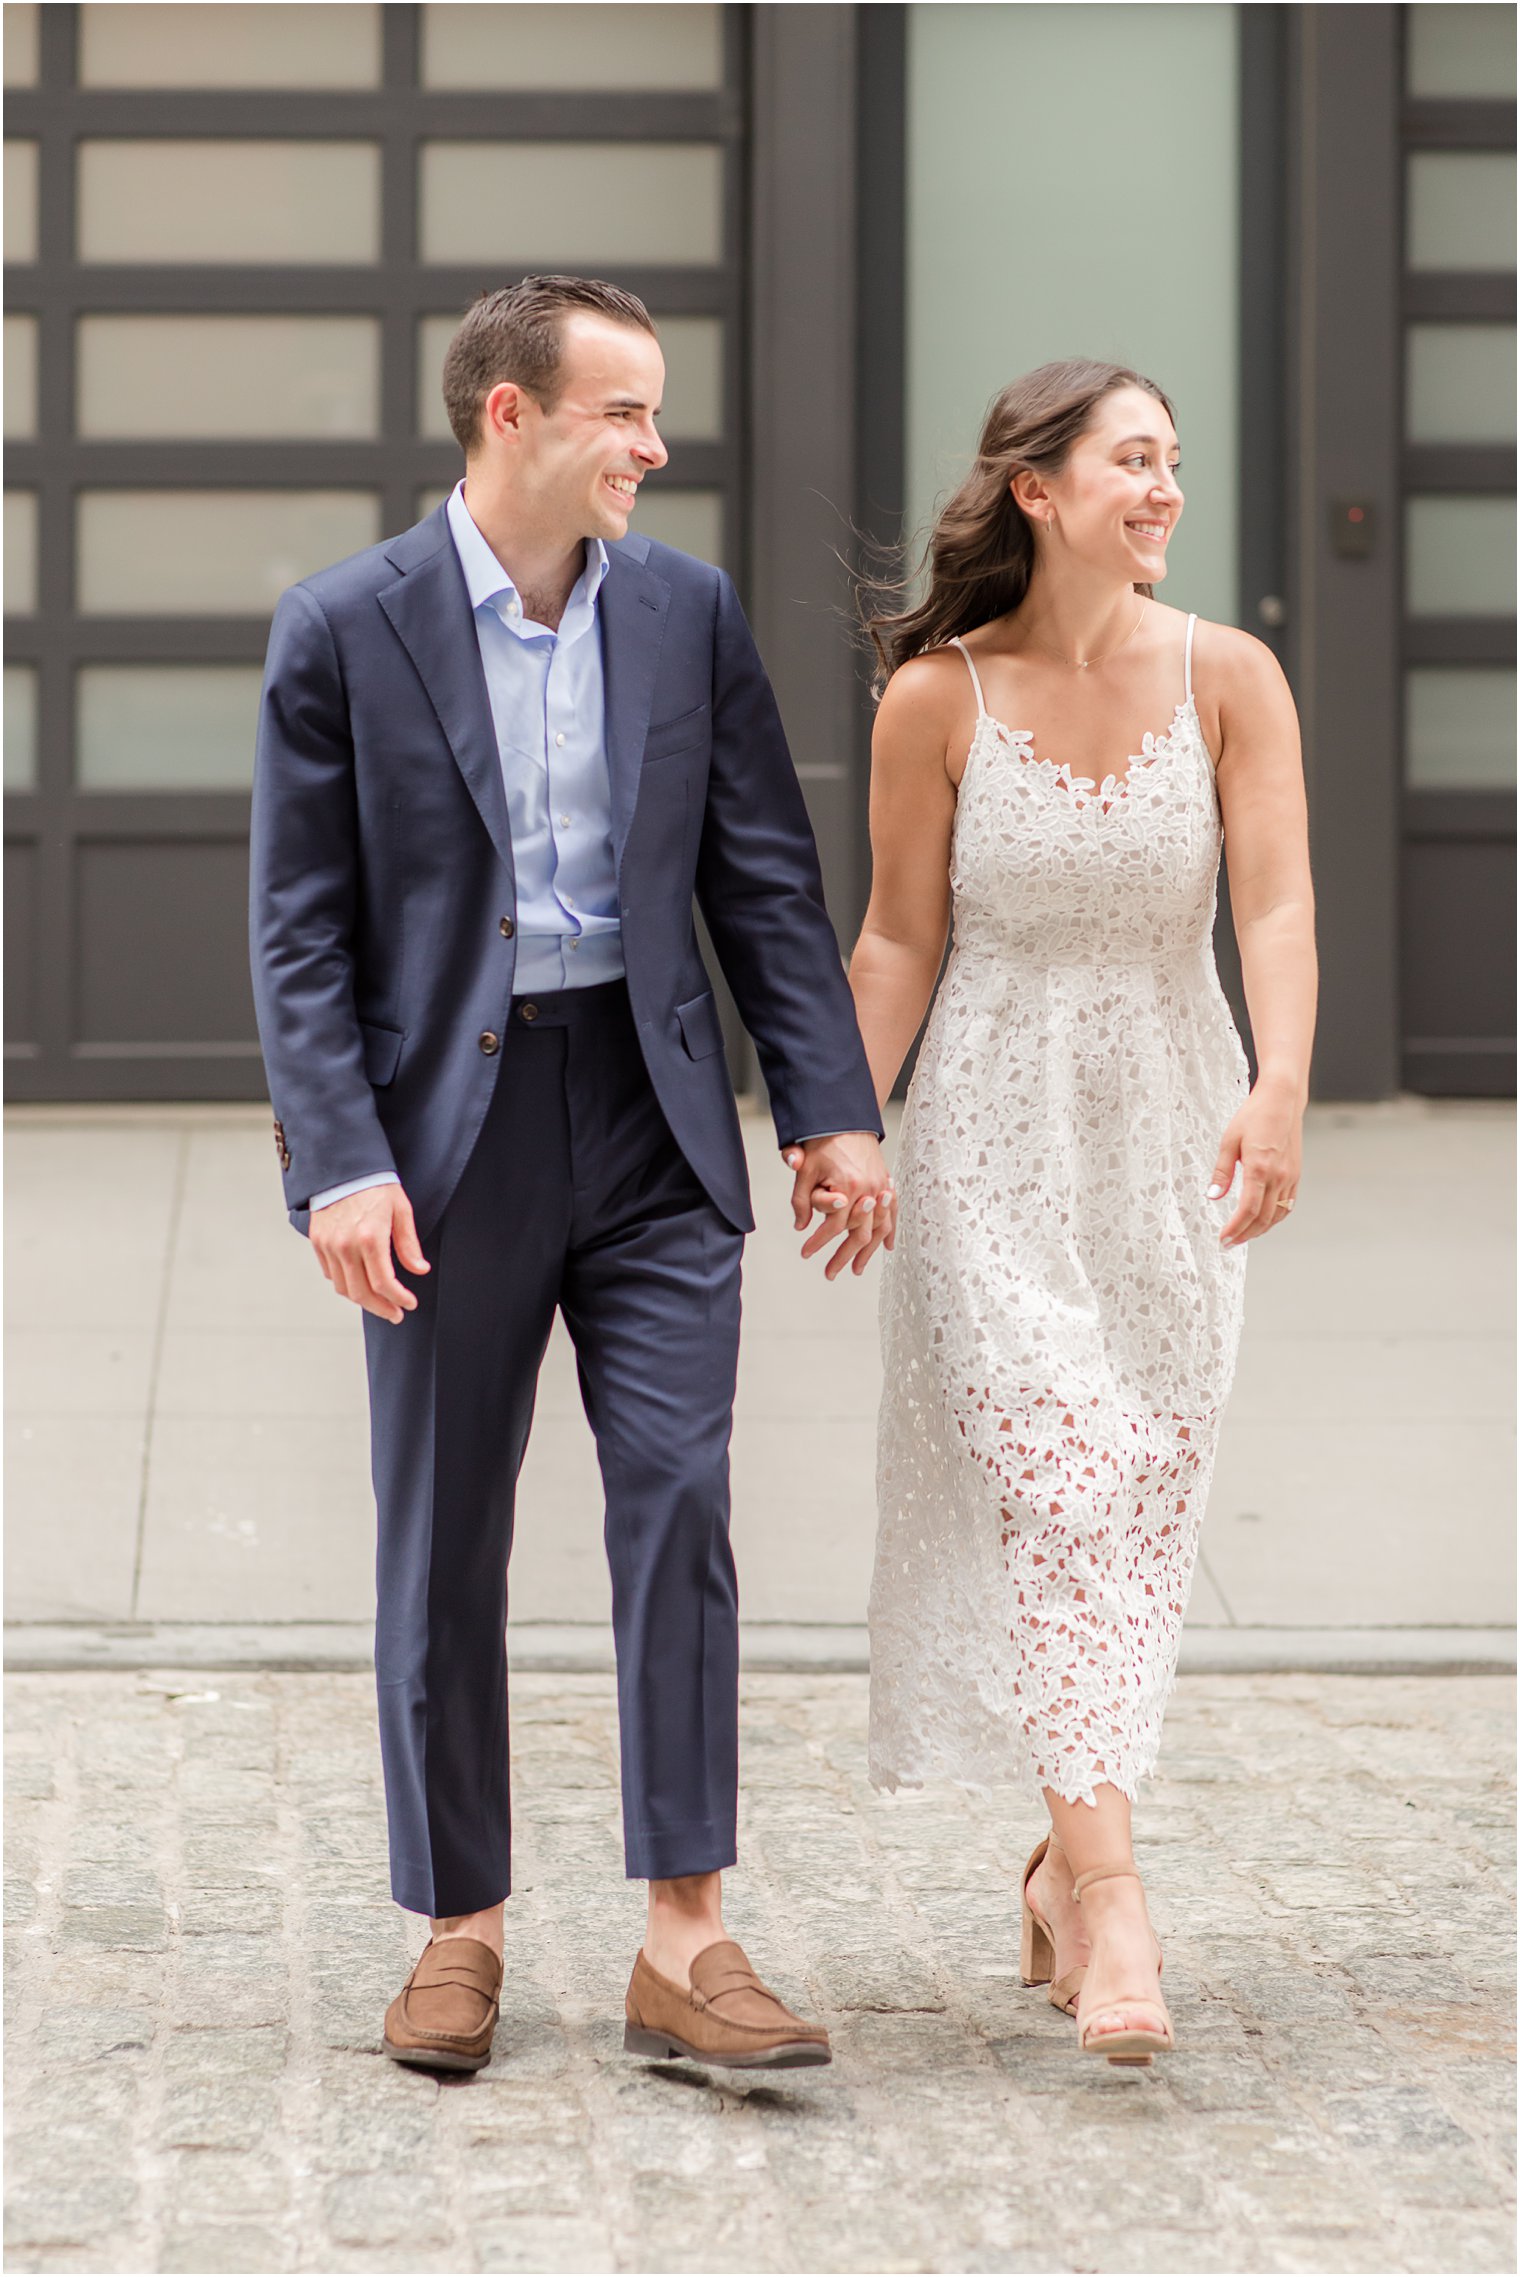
[502, 412]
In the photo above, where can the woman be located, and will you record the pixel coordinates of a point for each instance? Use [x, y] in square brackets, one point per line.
[1082, 1163]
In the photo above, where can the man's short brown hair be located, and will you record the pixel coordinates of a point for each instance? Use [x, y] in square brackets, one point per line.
[517, 333]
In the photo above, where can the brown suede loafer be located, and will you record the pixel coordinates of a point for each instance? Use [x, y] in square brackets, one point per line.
[445, 2014]
[728, 2017]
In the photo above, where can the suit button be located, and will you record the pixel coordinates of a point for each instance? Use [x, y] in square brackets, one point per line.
[528, 1012]
[507, 928]
[490, 1043]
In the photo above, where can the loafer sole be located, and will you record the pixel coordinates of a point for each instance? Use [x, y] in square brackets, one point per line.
[437, 2059]
[787, 2055]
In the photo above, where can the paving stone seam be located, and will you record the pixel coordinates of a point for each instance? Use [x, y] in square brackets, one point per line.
[149, 2105]
[299, 2086]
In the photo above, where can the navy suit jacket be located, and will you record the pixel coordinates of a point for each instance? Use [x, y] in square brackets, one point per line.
[382, 873]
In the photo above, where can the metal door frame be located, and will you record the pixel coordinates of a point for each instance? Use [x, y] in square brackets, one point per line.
[1463, 1065]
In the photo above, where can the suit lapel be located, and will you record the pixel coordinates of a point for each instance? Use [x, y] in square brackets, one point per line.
[632, 608]
[430, 609]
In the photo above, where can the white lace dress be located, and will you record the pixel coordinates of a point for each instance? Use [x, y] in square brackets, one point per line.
[1059, 1319]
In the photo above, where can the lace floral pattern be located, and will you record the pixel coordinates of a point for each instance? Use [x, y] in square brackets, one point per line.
[1059, 1321]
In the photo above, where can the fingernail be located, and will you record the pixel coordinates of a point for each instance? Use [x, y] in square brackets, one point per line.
[1215, 1192]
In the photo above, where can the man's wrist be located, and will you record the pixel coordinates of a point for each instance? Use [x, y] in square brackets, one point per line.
[812, 1138]
[352, 1186]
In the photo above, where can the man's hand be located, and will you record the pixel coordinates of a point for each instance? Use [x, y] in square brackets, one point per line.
[846, 1177]
[352, 1239]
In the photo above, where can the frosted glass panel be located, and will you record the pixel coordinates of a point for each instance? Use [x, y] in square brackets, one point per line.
[1459, 728]
[1459, 50]
[20, 43]
[20, 727]
[1461, 209]
[226, 45]
[167, 727]
[1460, 556]
[21, 375]
[433, 336]
[988, 299]
[247, 377]
[689, 519]
[620, 47]
[587, 203]
[228, 201]
[212, 552]
[20, 552]
[21, 201]
[1461, 383]
[693, 350]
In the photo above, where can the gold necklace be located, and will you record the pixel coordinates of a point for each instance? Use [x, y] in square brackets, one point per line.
[1084, 663]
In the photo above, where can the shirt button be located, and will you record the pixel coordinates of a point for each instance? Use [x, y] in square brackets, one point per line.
[574, 941]
[564, 822]
[490, 1044]
[507, 928]
[560, 742]
[569, 901]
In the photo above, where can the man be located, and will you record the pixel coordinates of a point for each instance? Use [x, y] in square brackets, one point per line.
[497, 756]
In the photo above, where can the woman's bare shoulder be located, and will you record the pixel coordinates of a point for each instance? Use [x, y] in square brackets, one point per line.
[927, 695]
[1232, 662]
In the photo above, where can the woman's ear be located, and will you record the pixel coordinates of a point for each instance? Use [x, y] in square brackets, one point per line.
[1030, 494]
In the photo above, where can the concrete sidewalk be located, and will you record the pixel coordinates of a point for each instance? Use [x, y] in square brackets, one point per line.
[188, 1465]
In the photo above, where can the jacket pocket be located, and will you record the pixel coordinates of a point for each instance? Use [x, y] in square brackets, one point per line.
[382, 1049]
[684, 733]
[701, 1029]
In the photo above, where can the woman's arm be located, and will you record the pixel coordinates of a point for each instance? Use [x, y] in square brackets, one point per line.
[902, 941]
[1266, 837]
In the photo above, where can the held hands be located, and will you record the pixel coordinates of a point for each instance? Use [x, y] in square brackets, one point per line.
[846, 1178]
[1265, 1140]
[353, 1238]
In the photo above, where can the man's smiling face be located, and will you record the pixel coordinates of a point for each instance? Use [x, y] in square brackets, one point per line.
[583, 458]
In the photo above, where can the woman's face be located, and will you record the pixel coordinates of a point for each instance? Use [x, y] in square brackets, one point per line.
[1116, 501]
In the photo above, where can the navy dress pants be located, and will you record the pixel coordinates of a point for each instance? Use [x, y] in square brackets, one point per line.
[575, 1196]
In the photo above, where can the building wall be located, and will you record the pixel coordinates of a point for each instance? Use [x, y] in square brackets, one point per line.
[1073, 190]
[830, 208]
[237, 239]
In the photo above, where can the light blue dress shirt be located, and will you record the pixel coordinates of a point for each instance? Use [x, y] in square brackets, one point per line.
[549, 712]
[548, 708]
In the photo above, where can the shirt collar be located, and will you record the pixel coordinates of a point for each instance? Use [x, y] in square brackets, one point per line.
[488, 581]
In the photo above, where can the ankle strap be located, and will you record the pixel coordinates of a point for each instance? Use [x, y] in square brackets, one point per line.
[1103, 1874]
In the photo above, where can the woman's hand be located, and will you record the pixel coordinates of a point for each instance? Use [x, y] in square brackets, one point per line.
[1266, 838]
[1265, 1142]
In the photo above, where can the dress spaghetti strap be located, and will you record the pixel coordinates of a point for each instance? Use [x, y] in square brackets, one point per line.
[1187, 664]
[981, 701]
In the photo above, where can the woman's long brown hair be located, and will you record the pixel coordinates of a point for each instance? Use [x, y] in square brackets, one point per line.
[977, 563]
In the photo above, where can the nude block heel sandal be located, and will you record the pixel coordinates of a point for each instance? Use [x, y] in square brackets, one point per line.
[1037, 1954]
[1136, 2044]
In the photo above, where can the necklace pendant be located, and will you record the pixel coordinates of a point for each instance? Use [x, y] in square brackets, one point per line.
[1084, 664]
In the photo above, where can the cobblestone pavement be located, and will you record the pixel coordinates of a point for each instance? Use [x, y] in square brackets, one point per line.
[201, 1950]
